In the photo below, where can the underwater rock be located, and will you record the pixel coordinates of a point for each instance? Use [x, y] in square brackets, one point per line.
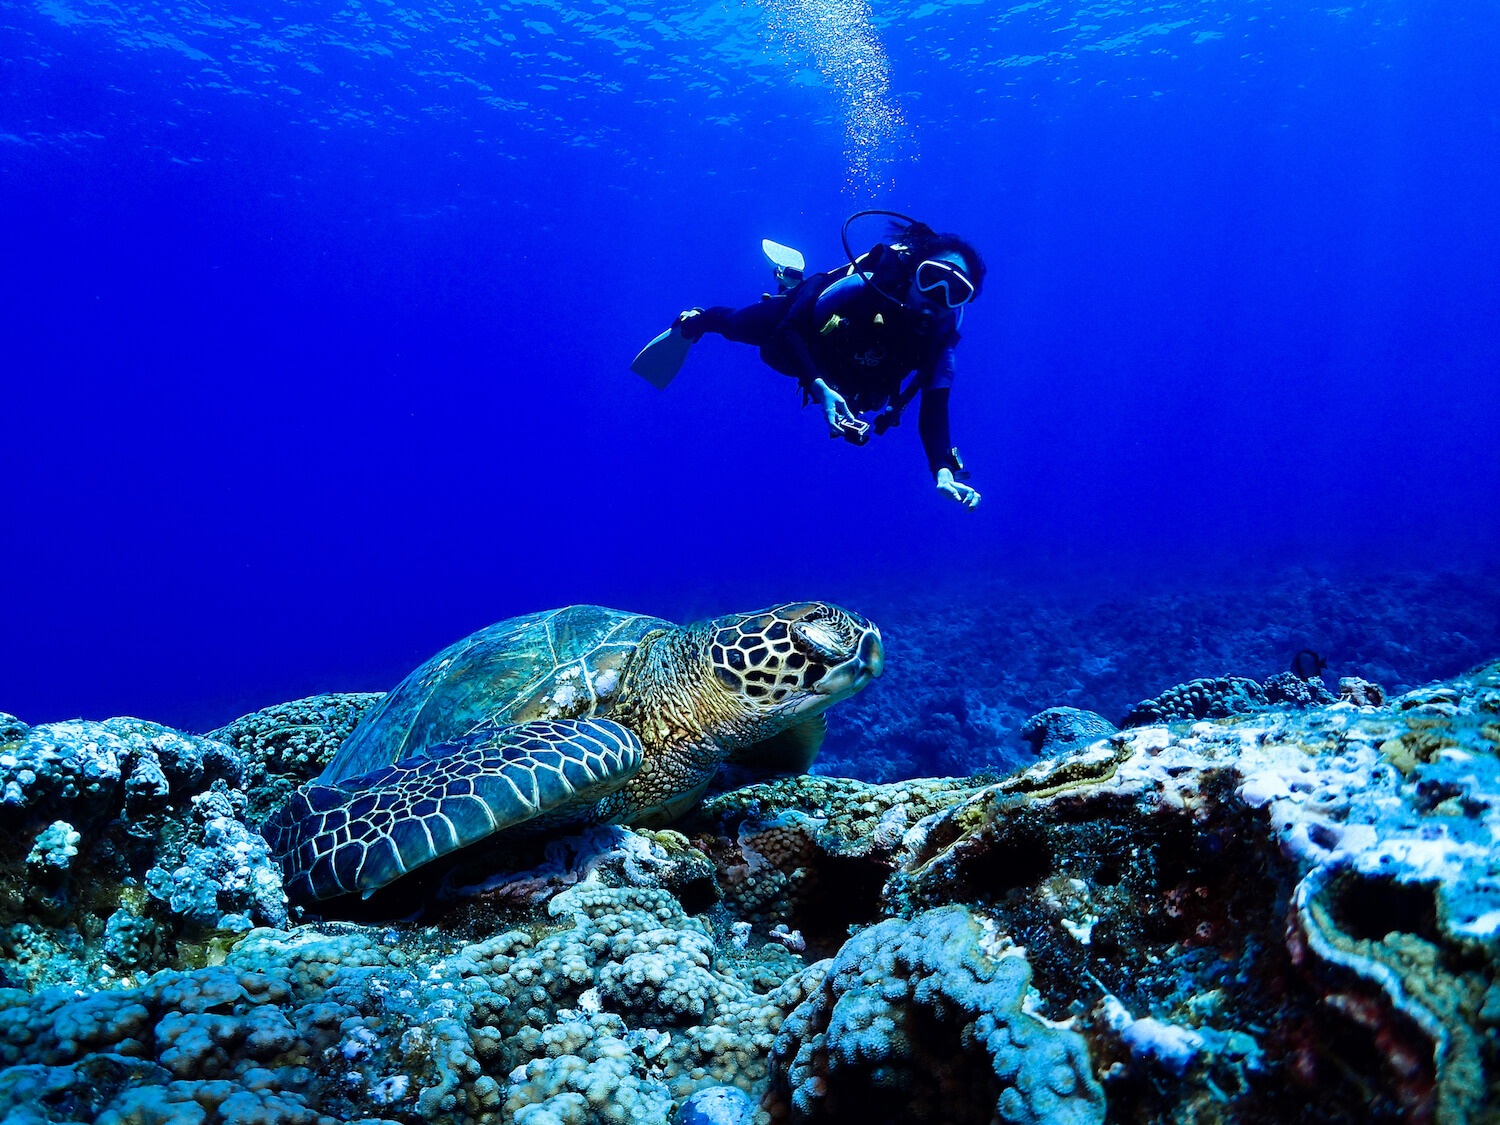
[509, 875]
[1361, 693]
[717, 1105]
[812, 853]
[1307, 904]
[1059, 730]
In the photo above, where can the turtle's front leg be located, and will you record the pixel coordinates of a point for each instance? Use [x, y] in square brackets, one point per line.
[368, 831]
[668, 785]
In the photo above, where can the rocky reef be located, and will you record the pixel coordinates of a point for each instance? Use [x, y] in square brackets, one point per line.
[1246, 906]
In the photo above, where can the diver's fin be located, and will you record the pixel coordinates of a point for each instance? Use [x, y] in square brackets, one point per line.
[783, 257]
[789, 264]
[659, 361]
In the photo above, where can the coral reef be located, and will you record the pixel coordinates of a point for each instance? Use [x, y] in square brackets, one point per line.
[969, 659]
[342, 1023]
[1234, 695]
[1199, 699]
[1304, 904]
[927, 1015]
[717, 1105]
[1291, 912]
[1290, 689]
[287, 745]
[124, 848]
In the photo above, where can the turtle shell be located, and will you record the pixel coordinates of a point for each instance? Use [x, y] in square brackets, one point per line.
[561, 664]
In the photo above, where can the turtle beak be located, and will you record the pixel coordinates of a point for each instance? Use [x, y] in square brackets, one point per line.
[871, 658]
[868, 661]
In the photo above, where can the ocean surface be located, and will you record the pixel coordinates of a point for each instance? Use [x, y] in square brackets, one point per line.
[316, 317]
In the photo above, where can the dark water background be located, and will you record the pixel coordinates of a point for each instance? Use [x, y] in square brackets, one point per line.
[315, 318]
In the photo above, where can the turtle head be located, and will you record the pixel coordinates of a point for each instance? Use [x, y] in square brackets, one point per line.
[794, 660]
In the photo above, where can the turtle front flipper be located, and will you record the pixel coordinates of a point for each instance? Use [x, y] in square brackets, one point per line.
[367, 831]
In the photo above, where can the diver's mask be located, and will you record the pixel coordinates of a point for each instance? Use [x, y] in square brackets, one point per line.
[935, 274]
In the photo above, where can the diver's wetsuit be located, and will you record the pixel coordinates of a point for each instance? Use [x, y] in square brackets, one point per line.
[861, 344]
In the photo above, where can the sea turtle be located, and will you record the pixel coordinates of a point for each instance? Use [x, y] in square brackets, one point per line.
[577, 716]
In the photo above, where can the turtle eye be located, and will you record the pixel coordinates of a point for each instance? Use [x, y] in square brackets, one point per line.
[822, 639]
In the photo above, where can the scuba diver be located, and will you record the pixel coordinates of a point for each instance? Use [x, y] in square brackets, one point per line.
[851, 337]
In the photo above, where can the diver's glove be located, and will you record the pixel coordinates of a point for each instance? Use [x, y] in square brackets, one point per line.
[836, 409]
[968, 497]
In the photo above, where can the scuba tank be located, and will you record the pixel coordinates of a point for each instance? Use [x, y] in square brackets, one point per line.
[887, 269]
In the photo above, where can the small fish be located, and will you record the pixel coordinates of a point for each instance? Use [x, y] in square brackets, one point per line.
[1308, 665]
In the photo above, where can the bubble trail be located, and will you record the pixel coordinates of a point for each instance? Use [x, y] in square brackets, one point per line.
[841, 39]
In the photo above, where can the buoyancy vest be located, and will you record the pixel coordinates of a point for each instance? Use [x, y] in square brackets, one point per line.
[869, 346]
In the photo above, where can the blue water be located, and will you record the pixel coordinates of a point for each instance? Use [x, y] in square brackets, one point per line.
[315, 317]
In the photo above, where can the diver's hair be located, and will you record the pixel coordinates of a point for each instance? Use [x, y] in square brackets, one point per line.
[925, 242]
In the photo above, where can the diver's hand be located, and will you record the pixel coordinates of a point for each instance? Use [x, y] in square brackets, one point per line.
[835, 408]
[968, 497]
